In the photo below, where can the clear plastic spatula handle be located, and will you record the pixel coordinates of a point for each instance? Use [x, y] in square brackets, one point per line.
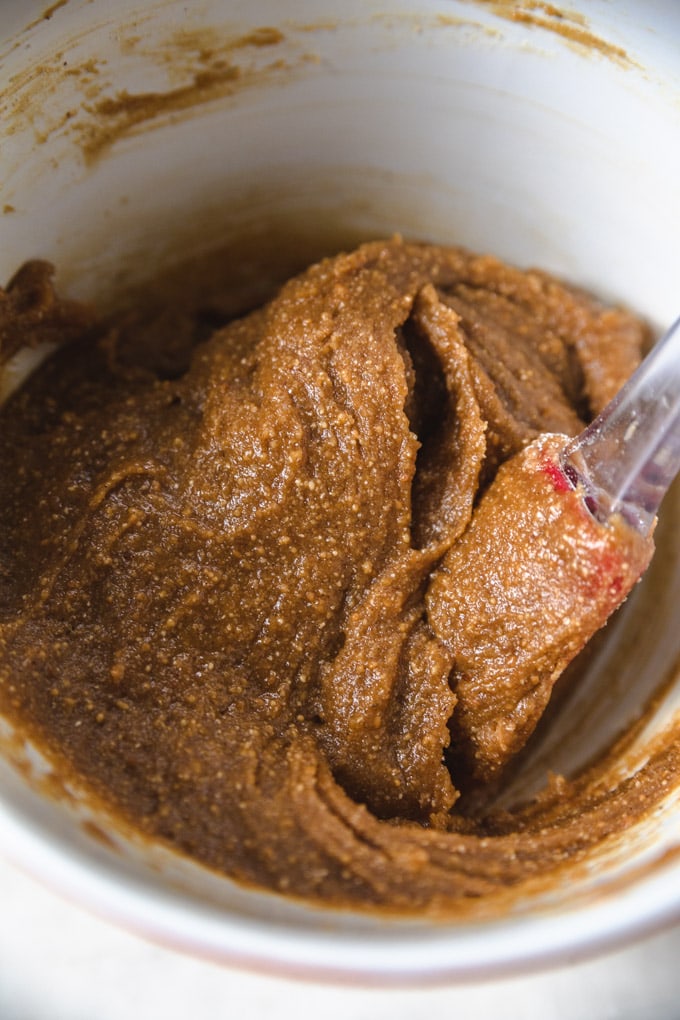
[629, 455]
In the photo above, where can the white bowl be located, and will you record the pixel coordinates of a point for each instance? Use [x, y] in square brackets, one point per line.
[548, 140]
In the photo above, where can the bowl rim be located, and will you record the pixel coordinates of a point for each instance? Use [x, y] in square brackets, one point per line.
[399, 955]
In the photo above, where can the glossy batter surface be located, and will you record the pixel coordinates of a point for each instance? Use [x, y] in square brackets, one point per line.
[275, 599]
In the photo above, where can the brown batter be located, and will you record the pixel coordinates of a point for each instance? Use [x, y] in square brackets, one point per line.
[274, 600]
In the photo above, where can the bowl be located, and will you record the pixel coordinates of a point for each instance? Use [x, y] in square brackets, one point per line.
[136, 136]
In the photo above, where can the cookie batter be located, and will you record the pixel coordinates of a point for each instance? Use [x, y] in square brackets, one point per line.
[245, 580]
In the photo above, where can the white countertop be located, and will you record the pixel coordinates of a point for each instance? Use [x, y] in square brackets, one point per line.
[57, 962]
